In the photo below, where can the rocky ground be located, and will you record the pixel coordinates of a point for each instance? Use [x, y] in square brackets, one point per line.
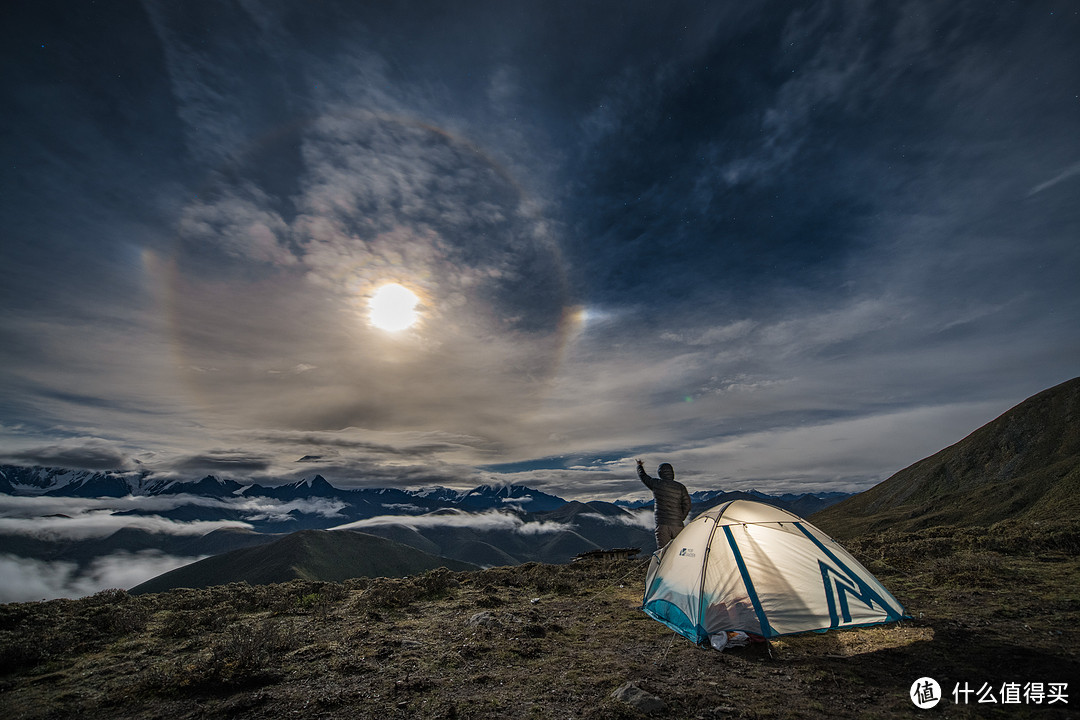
[549, 641]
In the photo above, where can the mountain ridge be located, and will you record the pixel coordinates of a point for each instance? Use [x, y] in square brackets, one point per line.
[66, 482]
[313, 555]
[1023, 465]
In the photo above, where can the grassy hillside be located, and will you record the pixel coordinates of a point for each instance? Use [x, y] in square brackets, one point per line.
[540, 641]
[306, 555]
[1023, 466]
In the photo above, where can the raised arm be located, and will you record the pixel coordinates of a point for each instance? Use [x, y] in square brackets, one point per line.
[644, 476]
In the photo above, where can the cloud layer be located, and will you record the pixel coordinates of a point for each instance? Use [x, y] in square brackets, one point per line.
[491, 520]
[27, 580]
[794, 248]
[80, 518]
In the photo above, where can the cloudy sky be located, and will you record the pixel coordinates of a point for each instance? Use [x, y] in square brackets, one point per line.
[785, 246]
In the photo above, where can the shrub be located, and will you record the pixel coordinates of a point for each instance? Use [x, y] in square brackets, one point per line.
[402, 592]
[121, 620]
[112, 596]
[243, 654]
[189, 623]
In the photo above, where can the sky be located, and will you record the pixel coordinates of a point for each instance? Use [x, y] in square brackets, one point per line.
[786, 246]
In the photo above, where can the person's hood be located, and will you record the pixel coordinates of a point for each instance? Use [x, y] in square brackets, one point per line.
[665, 471]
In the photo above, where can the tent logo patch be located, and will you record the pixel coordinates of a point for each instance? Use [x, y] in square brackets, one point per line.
[840, 588]
[687, 552]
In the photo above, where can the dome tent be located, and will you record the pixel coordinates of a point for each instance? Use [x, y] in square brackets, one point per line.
[753, 567]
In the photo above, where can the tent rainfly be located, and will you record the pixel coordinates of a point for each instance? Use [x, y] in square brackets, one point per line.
[753, 567]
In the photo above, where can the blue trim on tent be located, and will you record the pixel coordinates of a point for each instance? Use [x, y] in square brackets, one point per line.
[871, 623]
[702, 633]
[666, 612]
[865, 590]
[766, 629]
[670, 614]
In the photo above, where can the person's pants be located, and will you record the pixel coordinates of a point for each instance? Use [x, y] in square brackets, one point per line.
[666, 533]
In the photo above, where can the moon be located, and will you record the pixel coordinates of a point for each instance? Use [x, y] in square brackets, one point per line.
[393, 308]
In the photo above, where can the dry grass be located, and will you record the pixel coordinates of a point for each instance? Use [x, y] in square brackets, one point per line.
[553, 641]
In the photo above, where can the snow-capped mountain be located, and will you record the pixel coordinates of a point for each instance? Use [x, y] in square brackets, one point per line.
[509, 497]
[360, 502]
[439, 494]
[315, 487]
[16, 480]
[802, 504]
[58, 482]
[209, 486]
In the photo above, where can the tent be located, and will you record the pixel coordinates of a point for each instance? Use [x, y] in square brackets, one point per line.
[751, 567]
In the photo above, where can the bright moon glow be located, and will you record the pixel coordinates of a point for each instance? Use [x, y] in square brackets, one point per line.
[393, 308]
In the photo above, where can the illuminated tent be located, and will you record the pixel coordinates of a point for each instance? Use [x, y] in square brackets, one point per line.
[753, 567]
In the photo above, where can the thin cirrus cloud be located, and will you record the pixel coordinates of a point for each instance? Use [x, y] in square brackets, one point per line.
[1066, 174]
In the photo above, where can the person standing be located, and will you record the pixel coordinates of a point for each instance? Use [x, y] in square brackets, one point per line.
[672, 502]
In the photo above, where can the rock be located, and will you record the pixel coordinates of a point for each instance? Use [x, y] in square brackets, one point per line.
[483, 619]
[637, 698]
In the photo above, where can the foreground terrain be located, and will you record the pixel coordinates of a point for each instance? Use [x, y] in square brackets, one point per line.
[988, 606]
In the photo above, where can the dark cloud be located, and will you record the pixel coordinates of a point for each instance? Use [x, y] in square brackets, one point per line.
[417, 444]
[97, 455]
[367, 473]
[230, 461]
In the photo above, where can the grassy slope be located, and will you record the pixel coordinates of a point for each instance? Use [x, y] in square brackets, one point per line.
[1025, 465]
[306, 555]
[559, 640]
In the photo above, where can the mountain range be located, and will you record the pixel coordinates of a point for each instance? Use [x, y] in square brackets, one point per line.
[62, 482]
[486, 526]
[343, 505]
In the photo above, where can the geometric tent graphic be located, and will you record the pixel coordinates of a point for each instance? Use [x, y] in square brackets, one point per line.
[749, 566]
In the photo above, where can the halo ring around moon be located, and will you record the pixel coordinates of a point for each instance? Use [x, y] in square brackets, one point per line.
[316, 232]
